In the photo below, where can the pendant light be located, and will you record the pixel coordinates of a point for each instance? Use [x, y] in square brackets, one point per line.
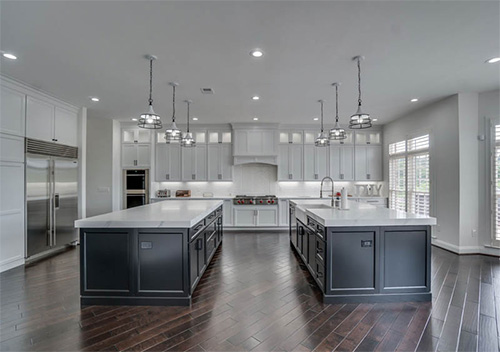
[337, 133]
[187, 140]
[322, 140]
[173, 133]
[150, 119]
[360, 120]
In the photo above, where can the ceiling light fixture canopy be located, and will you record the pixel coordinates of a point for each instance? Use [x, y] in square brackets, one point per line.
[322, 140]
[150, 120]
[360, 119]
[337, 133]
[173, 133]
[187, 140]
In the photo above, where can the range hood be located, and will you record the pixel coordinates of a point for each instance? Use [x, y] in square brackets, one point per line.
[255, 143]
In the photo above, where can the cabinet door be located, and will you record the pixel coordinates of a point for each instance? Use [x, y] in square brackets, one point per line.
[188, 162]
[129, 155]
[12, 111]
[168, 162]
[226, 162]
[200, 165]
[283, 163]
[214, 162]
[360, 157]
[243, 217]
[283, 212]
[374, 163]
[143, 155]
[296, 161]
[193, 263]
[66, 126]
[267, 217]
[228, 213]
[347, 163]
[142, 136]
[309, 163]
[311, 251]
[335, 158]
[39, 120]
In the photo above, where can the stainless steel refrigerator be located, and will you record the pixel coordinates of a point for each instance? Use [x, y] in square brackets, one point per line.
[51, 196]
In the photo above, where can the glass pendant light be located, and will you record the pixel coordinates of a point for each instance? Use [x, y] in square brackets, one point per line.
[150, 119]
[187, 140]
[360, 119]
[337, 133]
[173, 133]
[322, 140]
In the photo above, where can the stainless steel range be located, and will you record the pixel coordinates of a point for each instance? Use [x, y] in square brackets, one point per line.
[255, 200]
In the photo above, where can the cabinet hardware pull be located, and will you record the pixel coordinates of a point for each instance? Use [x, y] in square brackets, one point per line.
[290, 176]
[199, 244]
[167, 176]
[368, 176]
[219, 176]
[341, 176]
[193, 176]
[316, 176]
[319, 274]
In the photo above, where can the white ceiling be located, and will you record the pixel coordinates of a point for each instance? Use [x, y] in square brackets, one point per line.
[424, 49]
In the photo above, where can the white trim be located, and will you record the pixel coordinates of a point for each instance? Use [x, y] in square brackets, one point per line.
[11, 263]
[465, 249]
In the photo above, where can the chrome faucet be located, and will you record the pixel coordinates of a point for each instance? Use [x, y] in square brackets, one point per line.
[321, 189]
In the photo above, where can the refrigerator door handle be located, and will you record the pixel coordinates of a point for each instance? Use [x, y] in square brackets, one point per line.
[56, 201]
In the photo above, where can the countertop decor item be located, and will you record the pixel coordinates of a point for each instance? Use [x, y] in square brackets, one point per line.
[360, 119]
[173, 133]
[337, 132]
[150, 119]
[322, 140]
[187, 140]
[183, 193]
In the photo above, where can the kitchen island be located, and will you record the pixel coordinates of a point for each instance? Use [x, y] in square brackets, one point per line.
[149, 255]
[364, 254]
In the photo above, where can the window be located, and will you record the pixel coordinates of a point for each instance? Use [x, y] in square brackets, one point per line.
[409, 175]
[496, 187]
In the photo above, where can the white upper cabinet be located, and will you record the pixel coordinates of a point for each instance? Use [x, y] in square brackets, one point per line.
[168, 162]
[136, 135]
[292, 137]
[348, 141]
[368, 137]
[65, 127]
[48, 122]
[219, 162]
[219, 137]
[12, 105]
[255, 142]
[315, 162]
[40, 119]
[342, 163]
[290, 162]
[194, 163]
[136, 155]
[368, 163]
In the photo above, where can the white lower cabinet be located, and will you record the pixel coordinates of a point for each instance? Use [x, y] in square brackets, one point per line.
[194, 163]
[227, 215]
[368, 163]
[253, 216]
[283, 212]
[315, 162]
[136, 155]
[342, 163]
[168, 162]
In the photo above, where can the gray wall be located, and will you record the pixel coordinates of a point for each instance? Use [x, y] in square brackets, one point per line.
[99, 165]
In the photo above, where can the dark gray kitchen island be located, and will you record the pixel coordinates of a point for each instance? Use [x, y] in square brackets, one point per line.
[149, 255]
[364, 254]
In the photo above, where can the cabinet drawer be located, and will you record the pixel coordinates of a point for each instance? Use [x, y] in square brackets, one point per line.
[375, 201]
[196, 229]
[211, 217]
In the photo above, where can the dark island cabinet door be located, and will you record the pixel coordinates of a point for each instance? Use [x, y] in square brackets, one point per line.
[311, 251]
[106, 264]
[160, 263]
[193, 263]
[352, 259]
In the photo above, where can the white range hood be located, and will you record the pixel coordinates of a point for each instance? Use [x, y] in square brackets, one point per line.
[255, 143]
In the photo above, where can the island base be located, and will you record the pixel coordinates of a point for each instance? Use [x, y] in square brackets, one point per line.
[381, 298]
[135, 301]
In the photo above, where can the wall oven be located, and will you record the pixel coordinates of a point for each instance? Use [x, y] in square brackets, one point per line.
[136, 186]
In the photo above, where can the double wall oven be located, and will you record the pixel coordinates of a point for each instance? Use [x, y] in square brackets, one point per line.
[136, 184]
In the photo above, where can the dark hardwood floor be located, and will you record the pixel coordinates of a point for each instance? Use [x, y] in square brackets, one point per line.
[254, 296]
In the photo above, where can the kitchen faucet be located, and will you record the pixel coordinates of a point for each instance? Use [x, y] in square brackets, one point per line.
[321, 188]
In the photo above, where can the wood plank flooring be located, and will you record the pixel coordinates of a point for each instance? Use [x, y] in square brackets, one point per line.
[254, 296]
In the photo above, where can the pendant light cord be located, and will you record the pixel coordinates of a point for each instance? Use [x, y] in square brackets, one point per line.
[188, 103]
[151, 82]
[359, 81]
[321, 102]
[173, 104]
[336, 104]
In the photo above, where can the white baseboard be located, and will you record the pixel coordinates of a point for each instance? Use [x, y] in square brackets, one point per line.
[11, 263]
[465, 249]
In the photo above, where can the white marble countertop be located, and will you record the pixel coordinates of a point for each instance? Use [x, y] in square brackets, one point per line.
[231, 197]
[174, 214]
[359, 214]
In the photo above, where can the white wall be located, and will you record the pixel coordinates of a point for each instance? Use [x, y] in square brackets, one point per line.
[489, 112]
[441, 121]
[99, 166]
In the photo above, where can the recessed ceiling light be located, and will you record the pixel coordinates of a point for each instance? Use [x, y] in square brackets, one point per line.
[255, 97]
[9, 56]
[257, 53]
[134, 119]
[195, 119]
[256, 119]
[493, 60]
[316, 118]
[94, 99]
[414, 100]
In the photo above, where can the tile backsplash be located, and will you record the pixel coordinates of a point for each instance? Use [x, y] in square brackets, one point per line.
[258, 179]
